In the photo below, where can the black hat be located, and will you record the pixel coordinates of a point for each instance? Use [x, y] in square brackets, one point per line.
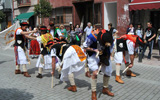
[49, 43]
[43, 28]
[104, 36]
[24, 23]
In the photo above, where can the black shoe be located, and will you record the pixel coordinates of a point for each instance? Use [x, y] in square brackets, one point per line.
[39, 75]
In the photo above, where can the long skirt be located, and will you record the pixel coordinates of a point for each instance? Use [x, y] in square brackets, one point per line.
[34, 48]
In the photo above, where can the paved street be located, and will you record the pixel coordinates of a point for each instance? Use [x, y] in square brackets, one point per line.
[146, 86]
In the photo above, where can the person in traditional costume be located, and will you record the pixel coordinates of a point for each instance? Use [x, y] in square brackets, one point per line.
[44, 60]
[34, 46]
[20, 49]
[124, 48]
[72, 59]
[54, 31]
[92, 47]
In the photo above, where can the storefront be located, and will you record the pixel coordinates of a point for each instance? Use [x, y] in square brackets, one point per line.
[142, 11]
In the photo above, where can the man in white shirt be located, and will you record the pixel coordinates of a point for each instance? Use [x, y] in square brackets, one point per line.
[88, 29]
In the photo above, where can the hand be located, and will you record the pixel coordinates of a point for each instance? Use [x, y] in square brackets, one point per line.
[96, 50]
[130, 65]
[145, 41]
[80, 34]
[149, 40]
[52, 73]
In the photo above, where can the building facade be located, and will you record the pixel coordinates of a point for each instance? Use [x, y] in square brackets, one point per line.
[98, 12]
[25, 6]
[6, 8]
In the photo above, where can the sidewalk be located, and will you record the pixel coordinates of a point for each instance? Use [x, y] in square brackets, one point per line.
[154, 59]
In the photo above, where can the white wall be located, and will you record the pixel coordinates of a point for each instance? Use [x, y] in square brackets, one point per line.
[110, 14]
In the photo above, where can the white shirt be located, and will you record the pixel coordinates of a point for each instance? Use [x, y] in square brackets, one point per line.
[130, 46]
[52, 32]
[58, 32]
[88, 30]
[53, 52]
[131, 32]
[19, 32]
[87, 42]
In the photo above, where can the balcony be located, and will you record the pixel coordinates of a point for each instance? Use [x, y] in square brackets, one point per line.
[79, 1]
[23, 3]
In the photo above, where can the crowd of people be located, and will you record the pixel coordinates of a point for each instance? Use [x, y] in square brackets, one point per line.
[62, 50]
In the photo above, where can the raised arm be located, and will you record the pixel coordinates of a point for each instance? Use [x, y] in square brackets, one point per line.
[30, 37]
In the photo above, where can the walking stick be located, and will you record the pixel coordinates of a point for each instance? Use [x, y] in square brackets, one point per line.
[97, 54]
[52, 82]
[99, 69]
[126, 67]
[125, 70]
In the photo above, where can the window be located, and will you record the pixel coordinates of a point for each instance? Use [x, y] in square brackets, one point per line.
[62, 15]
[97, 13]
[68, 15]
[24, 2]
[59, 15]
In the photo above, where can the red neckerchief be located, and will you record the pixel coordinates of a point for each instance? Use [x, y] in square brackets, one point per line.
[149, 28]
[103, 31]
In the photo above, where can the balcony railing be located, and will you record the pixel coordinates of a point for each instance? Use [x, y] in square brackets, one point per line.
[23, 3]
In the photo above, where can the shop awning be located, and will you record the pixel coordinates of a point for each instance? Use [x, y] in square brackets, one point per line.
[24, 16]
[144, 4]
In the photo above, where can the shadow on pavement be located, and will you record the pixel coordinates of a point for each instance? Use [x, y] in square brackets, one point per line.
[2, 62]
[32, 70]
[79, 83]
[157, 57]
[5, 61]
[114, 73]
[14, 94]
[99, 89]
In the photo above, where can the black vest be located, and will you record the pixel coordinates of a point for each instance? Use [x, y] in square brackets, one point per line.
[44, 50]
[19, 41]
[111, 30]
[58, 49]
[94, 46]
[121, 45]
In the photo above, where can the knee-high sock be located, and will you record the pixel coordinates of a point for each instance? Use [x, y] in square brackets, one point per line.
[18, 67]
[105, 81]
[24, 68]
[71, 79]
[118, 67]
[86, 67]
[40, 70]
[93, 84]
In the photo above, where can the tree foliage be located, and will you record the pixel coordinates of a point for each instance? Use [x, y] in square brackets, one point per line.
[2, 16]
[43, 9]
